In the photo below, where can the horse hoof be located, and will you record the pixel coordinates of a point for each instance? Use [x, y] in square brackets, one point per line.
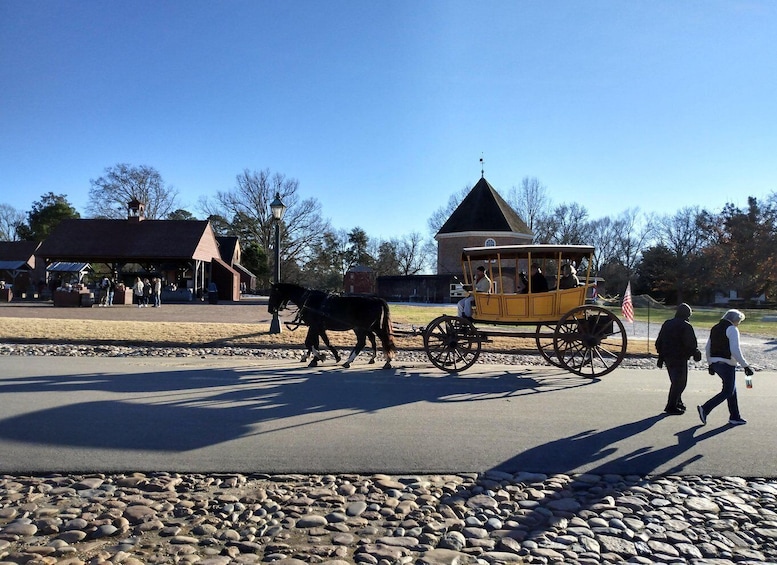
[313, 363]
[372, 362]
[347, 365]
[387, 366]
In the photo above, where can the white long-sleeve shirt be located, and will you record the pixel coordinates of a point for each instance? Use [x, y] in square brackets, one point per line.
[732, 333]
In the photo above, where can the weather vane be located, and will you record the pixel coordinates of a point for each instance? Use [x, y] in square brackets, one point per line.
[482, 161]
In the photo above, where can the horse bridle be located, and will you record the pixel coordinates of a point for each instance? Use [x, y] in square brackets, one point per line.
[294, 324]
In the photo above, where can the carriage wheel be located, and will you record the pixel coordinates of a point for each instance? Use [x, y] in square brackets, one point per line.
[590, 341]
[547, 348]
[452, 343]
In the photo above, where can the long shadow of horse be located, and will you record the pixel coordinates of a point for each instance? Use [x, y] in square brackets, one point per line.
[179, 410]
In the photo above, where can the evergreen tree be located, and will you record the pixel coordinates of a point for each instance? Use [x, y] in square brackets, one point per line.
[46, 214]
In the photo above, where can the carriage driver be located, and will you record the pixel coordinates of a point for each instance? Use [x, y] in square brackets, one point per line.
[482, 284]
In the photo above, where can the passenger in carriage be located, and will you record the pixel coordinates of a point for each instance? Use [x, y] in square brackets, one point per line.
[482, 284]
[568, 277]
[538, 281]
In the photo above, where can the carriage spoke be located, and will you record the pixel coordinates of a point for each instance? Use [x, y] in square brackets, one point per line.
[590, 341]
[450, 344]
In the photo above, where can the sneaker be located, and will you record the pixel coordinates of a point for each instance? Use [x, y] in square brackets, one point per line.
[702, 415]
[674, 411]
[737, 421]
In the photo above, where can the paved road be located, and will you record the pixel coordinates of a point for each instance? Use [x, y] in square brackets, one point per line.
[227, 414]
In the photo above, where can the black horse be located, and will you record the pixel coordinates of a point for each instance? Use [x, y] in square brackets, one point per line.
[313, 300]
[366, 316]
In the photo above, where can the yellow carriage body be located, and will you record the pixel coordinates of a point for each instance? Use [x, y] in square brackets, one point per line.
[508, 302]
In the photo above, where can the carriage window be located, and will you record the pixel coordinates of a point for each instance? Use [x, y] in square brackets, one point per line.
[490, 242]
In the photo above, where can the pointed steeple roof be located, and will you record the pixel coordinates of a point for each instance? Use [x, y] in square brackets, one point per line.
[483, 210]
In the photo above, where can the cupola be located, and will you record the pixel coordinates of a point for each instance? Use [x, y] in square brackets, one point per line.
[135, 210]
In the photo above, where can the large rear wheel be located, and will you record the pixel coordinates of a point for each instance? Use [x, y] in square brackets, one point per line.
[452, 343]
[590, 341]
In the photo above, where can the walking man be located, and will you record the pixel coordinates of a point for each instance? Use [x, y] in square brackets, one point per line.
[723, 354]
[676, 343]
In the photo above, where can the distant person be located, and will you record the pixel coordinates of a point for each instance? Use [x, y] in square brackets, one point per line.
[137, 291]
[104, 292]
[147, 291]
[723, 354]
[568, 277]
[157, 291]
[538, 281]
[675, 344]
[110, 291]
[482, 284]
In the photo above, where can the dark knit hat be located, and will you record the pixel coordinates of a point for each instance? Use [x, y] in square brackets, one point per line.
[683, 311]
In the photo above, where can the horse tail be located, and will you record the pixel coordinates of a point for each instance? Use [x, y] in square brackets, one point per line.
[388, 329]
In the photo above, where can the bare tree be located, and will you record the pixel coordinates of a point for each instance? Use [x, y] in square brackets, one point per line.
[410, 253]
[109, 194]
[248, 204]
[682, 233]
[633, 235]
[567, 224]
[603, 234]
[10, 220]
[530, 201]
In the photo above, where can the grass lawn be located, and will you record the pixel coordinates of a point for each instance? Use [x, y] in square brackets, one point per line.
[706, 317]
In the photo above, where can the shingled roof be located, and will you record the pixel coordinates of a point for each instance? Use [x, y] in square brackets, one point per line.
[109, 240]
[483, 210]
[19, 252]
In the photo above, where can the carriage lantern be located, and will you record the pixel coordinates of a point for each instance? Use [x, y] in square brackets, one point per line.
[278, 208]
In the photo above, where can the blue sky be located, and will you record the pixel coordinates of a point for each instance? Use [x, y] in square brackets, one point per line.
[382, 110]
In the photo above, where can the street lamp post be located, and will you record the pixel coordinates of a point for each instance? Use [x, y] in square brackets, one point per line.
[278, 208]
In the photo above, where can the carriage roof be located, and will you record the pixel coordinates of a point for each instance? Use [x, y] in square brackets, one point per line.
[539, 251]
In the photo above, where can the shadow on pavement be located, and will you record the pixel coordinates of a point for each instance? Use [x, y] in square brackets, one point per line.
[192, 408]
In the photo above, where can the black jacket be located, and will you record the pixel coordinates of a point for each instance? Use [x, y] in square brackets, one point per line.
[676, 341]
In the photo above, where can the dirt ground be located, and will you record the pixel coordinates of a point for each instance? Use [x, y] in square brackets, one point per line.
[247, 311]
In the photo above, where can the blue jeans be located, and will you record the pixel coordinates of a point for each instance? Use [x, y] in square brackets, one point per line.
[727, 374]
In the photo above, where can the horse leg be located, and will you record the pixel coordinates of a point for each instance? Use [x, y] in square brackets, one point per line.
[361, 339]
[311, 342]
[317, 356]
[384, 341]
[325, 339]
[371, 335]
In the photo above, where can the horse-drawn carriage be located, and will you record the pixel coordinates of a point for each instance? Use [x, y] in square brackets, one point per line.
[582, 338]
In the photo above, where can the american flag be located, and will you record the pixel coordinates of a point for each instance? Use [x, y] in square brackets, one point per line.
[627, 307]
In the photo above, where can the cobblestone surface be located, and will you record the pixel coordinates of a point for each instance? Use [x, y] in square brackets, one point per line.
[385, 520]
